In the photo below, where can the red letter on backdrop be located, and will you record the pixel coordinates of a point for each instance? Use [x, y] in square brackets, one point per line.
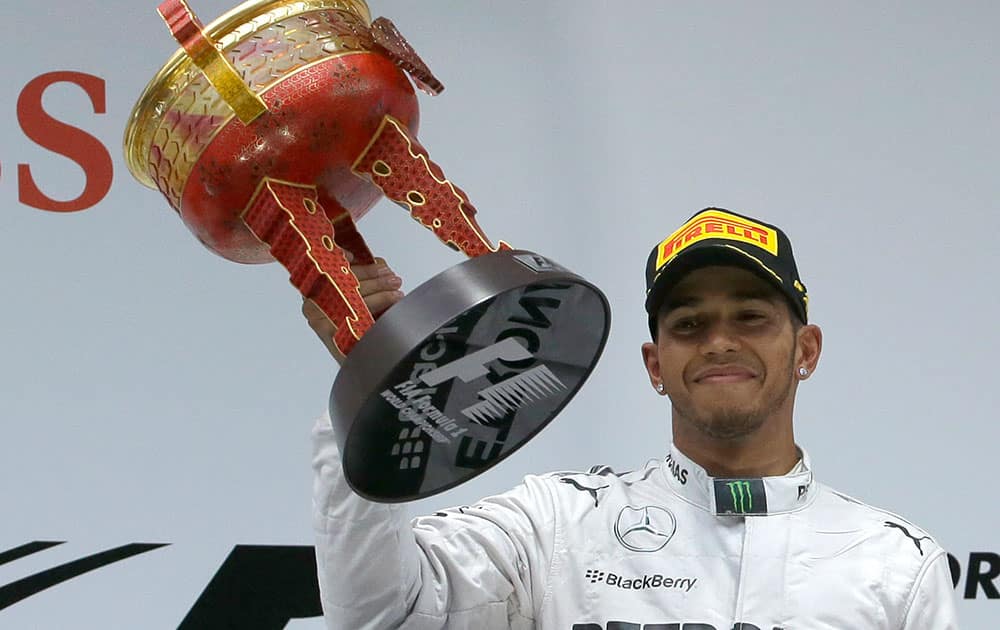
[58, 137]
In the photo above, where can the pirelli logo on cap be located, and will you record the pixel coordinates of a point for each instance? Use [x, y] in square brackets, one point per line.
[716, 224]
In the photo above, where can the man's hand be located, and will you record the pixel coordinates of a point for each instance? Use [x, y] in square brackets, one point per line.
[379, 287]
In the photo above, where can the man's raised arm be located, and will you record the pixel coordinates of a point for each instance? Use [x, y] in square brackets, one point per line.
[483, 566]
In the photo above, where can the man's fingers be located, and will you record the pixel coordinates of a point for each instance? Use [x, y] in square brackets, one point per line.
[387, 282]
[378, 286]
[317, 319]
[378, 302]
[369, 272]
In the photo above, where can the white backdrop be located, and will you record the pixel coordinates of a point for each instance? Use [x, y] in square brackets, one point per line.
[151, 392]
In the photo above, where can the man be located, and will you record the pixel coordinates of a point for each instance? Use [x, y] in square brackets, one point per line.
[730, 530]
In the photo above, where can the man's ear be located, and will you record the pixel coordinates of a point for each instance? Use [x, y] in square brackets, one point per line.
[651, 360]
[809, 345]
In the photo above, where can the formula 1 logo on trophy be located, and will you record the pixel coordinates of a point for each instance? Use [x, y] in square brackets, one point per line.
[271, 133]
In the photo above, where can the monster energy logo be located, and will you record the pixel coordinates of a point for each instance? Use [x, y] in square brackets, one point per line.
[740, 496]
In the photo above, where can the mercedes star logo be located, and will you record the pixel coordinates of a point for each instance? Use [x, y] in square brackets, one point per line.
[645, 529]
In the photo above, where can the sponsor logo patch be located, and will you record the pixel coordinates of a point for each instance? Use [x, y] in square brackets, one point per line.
[740, 496]
[716, 224]
[679, 472]
[641, 582]
[906, 532]
[645, 529]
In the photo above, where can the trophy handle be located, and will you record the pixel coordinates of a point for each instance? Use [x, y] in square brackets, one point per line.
[289, 218]
[189, 32]
[348, 237]
[398, 165]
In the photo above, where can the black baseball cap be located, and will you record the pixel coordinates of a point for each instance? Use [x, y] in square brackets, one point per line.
[715, 236]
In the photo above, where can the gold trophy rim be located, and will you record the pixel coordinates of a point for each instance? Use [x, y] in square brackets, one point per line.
[135, 142]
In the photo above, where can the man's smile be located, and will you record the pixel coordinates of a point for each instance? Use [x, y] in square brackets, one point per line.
[721, 374]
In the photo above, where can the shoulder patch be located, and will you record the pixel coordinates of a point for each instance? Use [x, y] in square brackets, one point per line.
[877, 517]
[588, 484]
[600, 478]
[906, 532]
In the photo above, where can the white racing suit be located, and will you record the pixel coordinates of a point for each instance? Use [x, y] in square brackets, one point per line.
[662, 548]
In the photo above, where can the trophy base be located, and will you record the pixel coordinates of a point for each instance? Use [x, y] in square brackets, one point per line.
[462, 372]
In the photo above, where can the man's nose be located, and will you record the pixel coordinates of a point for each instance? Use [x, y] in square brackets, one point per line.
[720, 338]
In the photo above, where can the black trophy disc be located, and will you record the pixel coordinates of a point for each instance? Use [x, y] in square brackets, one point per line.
[463, 371]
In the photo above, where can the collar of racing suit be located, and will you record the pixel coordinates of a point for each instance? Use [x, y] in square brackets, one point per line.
[745, 496]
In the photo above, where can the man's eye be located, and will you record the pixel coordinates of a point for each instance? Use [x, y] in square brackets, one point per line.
[686, 324]
[752, 317]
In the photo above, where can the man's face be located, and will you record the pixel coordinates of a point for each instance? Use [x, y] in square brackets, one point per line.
[726, 352]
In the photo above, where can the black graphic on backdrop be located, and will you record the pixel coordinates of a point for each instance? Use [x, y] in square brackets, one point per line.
[983, 571]
[258, 588]
[26, 550]
[21, 589]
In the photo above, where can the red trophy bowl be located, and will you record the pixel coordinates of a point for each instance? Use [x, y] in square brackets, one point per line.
[271, 132]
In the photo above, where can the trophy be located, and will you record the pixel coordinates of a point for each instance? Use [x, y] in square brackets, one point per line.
[271, 132]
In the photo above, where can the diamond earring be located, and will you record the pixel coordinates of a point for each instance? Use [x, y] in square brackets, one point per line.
[803, 372]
